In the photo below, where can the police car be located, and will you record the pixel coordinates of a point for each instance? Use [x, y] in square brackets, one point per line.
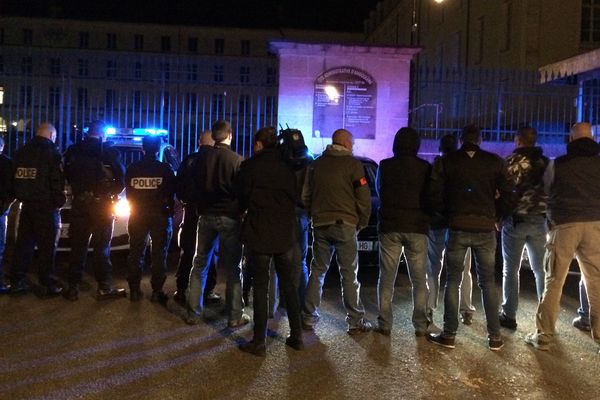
[129, 144]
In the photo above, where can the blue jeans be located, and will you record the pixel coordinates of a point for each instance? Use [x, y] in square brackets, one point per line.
[227, 231]
[3, 219]
[342, 238]
[584, 304]
[483, 248]
[531, 233]
[302, 249]
[391, 246]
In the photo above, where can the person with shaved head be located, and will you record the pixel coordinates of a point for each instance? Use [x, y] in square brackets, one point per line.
[39, 185]
[338, 198]
[572, 183]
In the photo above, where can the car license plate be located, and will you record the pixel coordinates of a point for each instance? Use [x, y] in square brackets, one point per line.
[64, 232]
[365, 245]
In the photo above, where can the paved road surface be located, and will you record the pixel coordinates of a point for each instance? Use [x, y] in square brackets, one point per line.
[53, 349]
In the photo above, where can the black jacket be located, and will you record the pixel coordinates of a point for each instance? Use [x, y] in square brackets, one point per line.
[464, 186]
[574, 184]
[150, 187]
[402, 183]
[187, 191]
[7, 189]
[94, 168]
[214, 175]
[39, 178]
[267, 190]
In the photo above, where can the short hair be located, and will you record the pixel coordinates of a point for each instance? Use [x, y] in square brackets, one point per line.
[448, 143]
[471, 134]
[220, 131]
[528, 135]
[151, 144]
[96, 128]
[267, 136]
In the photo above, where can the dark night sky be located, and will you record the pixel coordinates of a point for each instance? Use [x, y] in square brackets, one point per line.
[344, 15]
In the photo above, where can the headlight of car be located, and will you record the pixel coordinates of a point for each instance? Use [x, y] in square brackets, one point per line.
[122, 208]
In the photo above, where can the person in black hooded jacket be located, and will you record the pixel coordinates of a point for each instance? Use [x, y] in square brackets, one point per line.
[403, 226]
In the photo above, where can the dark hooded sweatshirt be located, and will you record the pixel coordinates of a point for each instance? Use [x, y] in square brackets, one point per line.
[402, 186]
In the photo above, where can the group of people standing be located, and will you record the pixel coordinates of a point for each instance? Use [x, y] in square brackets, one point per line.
[436, 215]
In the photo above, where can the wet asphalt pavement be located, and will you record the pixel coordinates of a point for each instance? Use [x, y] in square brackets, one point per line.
[54, 349]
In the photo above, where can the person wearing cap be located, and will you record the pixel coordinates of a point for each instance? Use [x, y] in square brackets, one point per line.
[96, 174]
[39, 184]
[150, 189]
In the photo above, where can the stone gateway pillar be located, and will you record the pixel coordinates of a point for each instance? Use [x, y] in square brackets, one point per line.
[364, 89]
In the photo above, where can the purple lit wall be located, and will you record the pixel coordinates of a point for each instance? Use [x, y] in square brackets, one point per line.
[301, 64]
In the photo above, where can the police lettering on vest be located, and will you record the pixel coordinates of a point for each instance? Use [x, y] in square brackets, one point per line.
[26, 173]
[151, 183]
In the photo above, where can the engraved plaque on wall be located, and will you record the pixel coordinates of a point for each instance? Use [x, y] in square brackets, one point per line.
[345, 97]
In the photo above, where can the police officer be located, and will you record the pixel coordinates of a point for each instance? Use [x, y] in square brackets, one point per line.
[150, 188]
[39, 184]
[6, 198]
[96, 175]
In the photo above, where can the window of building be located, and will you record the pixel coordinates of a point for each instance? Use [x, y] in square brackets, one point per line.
[192, 72]
[218, 100]
[505, 25]
[82, 97]
[111, 69]
[111, 41]
[137, 70]
[27, 66]
[193, 44]
[54, 96]
[26, 92]
[219, 46]
[138, 42]
[165, 71]
[244, 74]
[165, 44]
[55, 66]
[245, 47]
[27, 37]
[479, 40]
[84, 40]
[590, 21]
[271, 75]
[83, 67]
[219, 72]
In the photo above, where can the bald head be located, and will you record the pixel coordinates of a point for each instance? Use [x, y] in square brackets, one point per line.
[206, 139]
[46, 130]
[581, 130]
[343, 137]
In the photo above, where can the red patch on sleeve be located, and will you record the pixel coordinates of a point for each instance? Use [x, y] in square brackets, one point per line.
[363, 181]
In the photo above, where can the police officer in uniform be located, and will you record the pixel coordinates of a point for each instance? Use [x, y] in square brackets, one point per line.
[150, 188]
[6, 198]
[39, 184]
[96, 175]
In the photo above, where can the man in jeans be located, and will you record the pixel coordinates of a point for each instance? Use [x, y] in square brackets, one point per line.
[403, 227]
[218, 218]
[527, 225]
[582, 322]
[7, 196]
[338, 197]
[572, 182]
[464, 185]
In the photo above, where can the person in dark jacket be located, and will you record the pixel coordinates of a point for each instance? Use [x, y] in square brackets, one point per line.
[39, 185]
[527, 225]
[338, 197]
[187, 194]
[267, 193]
[150, 189]
[572, 183]
[7, 195]
[472, 189]
[403, 227]
[218, 218]
[96, 174]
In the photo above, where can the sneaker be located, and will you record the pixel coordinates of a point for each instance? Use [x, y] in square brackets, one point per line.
[50, 290]
[4, 288]
[72, 293]
[507, 322]
[191, 318]
[466, 317]
[244, 320]
[212, 297]
[495, 343]
[362, 326]
[442, 339]
[107, 293]
[383, 331]
[295, 343]
[536, 341]
[179, 297]
[158, 296]
[258, 349]
[135, 295]
[19, 288]
[582, 324]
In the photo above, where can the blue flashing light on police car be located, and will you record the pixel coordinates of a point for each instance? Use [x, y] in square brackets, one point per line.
[110, 130]
[150, 131]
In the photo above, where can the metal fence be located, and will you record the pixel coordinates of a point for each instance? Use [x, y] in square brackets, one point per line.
[499, 102]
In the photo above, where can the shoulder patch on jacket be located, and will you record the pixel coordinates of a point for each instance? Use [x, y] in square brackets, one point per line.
[360, 182]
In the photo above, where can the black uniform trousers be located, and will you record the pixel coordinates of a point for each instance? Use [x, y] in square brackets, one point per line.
[37, 226]
[288, 273]
[187, 243]
[160, 229]
[98, 223]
